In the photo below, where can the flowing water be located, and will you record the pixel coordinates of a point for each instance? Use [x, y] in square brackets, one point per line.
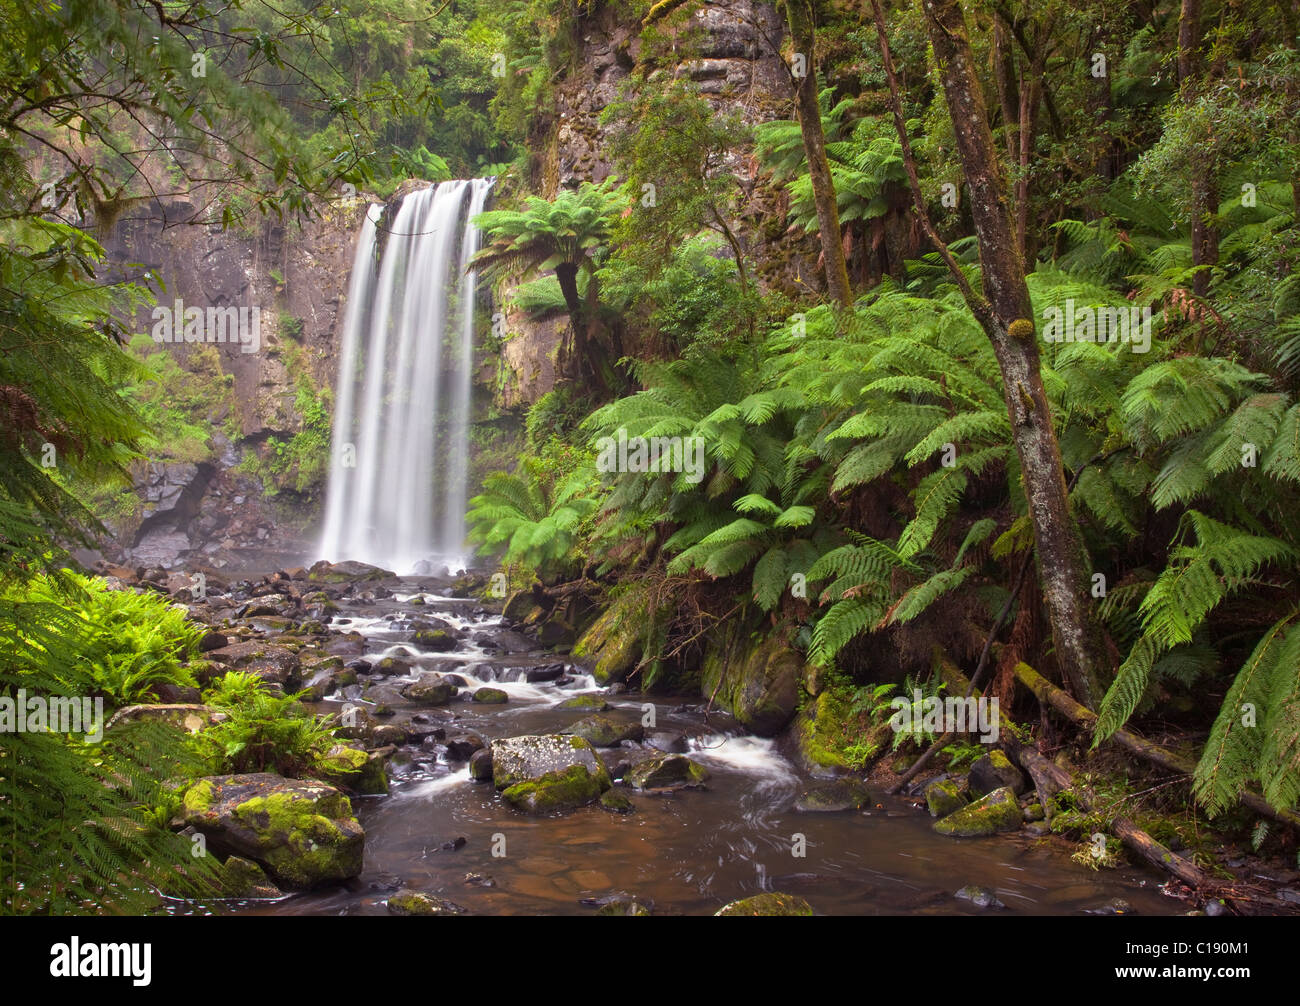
[398, 462]
[685, 853]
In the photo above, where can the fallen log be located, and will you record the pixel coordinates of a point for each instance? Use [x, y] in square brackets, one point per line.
[1048, 694]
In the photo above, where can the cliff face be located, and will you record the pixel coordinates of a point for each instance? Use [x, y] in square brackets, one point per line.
[235, 500]
[731, 51]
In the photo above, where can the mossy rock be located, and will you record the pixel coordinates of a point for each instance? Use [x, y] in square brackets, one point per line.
[408, 902]
[617, 908]
[244, 879]
[361, 772]
[666, 770]
[347, 572]
[430, 689]
[303, 831]
[774, 903]
[490, 696]
[992, 813]
[616, 802]
[587, 703]
[944, 797]
[437, 640]
[761, 688]
[555, 792]
[843, 794]
[606, 731]
[616, 638]
[821, 734]
[531, 756]
[521, 607]
[993, 771]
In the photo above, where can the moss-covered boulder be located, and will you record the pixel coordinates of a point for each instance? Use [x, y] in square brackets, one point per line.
[774, 903]
[993, 771]
[821, 733]
[606, 731]
[303, 831]
[435, 640]
[347, 572]
[529, 757]
[480, 765]
[585, 703]
[616, 639]
[556, 792]
[408, 902]
[944, 797]
[666, 770]
[759, 687]
[490, 696]
[244, 879]
[521, 607]
[359, 771]
[843, 794]
[616, 802]
[188, 716]
[430, 689]
[990, 814]
[623, 907]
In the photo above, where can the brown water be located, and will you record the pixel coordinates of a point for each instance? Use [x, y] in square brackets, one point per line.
[684, 854]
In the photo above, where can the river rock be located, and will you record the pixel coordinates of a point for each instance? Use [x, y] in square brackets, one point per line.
[623, 907]
[490, 696]
[345, 572]
[990, 814]
[480, 765]
[980, 897]
[435, 640]
[588, 702]
[843, 794]
[275, 665]
[666, 770]
[189, 716]
[548, 672]
[993, 771]
[430, 689]
[521, 759]
[408, 902]
[774, 903]
[557, 792]
[606, 731]
[944, 797]
[303, 831]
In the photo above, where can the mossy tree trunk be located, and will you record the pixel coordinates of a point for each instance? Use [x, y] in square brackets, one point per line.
[1006, 315]
[799, 13]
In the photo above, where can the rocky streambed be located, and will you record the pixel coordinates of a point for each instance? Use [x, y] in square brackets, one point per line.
[480, 773]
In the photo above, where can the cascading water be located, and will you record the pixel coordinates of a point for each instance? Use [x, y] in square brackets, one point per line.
[400, 442]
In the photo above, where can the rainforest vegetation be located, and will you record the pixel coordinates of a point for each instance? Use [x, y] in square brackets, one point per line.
[988, 332]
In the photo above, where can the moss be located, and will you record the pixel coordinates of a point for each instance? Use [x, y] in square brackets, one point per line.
[555, 792]
[774, 903]
[615, 639]
[300, 839]
[998, 811]
[594, 703]
[944, 797]
[198, 798]
[822, 732]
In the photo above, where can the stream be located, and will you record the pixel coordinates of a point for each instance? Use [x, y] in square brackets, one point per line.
[687, 852]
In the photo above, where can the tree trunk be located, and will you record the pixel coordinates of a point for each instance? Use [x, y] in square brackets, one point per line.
[1205, 202]
[800, 16]
[1062, 561]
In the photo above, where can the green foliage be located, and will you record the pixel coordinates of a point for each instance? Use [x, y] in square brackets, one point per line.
[263, 731]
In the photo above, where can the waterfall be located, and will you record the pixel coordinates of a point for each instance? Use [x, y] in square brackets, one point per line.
[400, 447]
